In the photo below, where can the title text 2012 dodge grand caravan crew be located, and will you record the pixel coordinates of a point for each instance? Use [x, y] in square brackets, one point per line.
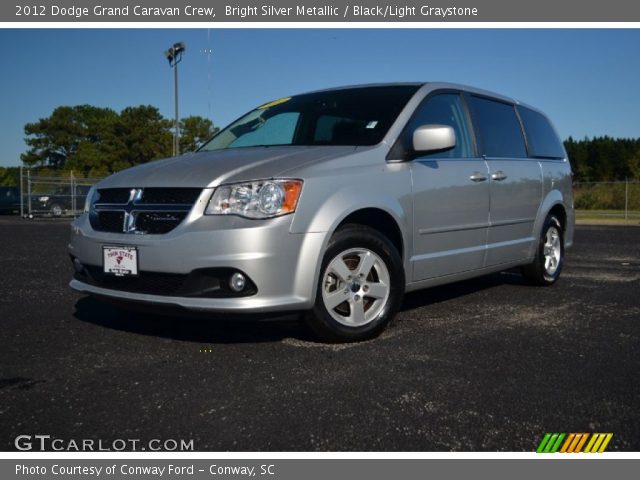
[334, 203]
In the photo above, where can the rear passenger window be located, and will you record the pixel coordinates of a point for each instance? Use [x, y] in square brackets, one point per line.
[499, 128]
[542, 138]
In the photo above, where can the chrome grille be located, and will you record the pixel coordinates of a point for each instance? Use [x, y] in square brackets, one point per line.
[110, 221]
[114, 195]
[141, 210]
[159, 222]
[172, 196]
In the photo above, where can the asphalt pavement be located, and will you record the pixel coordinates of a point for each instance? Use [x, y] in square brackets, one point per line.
[489, 364]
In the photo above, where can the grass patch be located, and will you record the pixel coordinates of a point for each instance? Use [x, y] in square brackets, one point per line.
[607, 217]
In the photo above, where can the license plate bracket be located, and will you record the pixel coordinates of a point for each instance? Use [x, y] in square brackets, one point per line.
[120, 261]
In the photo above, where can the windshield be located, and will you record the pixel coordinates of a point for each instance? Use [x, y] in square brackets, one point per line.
[353, 116]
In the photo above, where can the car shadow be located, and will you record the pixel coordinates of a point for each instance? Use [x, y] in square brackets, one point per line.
[188, 328]
[204, 329]
[444, 293]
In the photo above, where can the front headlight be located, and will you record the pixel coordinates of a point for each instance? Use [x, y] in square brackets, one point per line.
[43, 199]
[89, 199]
[259, 199]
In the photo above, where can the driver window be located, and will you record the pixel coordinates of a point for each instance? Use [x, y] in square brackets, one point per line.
[445, 109]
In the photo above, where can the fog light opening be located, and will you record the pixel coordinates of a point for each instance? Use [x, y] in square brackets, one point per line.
[237, 282]
[77, 265]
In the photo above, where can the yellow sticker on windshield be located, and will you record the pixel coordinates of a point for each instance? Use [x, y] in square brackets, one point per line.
[274, 103]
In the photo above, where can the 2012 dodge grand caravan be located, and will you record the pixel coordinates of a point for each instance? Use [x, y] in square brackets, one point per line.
[335, 203]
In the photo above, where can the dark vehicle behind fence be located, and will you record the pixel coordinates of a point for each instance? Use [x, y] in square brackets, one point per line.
[61, 201]
[9, 200]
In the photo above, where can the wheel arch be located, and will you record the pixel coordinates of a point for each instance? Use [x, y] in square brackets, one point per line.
[552, 204]
[377, 219]
[559, 211]
[388, 221]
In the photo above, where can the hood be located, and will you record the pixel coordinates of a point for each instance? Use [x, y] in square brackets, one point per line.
[209, 169]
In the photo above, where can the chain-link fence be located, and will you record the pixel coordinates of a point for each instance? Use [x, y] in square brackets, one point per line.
[53, 194]
[56, 194]
[607, 199]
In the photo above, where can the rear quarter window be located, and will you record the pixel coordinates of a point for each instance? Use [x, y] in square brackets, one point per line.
[499, 128]
[541, 137]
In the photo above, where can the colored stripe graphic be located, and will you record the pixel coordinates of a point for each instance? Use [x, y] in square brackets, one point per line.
[574, 442]
[567, 442]
[598, 442]
[605, 442]
[576, 438]
[551, 442]
[543, 443]
[581, 442]
[556, 445]
[592, 441]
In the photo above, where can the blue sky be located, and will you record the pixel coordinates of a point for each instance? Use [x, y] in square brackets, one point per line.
[585, 80]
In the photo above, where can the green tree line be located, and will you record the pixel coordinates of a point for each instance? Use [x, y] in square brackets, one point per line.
[10, 176]
[604, 159]
[94, 142]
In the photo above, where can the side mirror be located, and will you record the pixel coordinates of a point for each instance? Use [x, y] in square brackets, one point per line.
[431, 138]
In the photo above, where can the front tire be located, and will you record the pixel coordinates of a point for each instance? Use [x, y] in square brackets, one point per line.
[547, 265]
[360, 288]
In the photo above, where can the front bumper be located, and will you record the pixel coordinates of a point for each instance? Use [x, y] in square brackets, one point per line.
[283, 266]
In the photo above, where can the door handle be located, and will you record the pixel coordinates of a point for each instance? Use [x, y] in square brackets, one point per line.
[498, 176]
[478, 177]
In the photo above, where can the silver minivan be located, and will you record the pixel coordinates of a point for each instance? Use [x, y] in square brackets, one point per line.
[333, 204]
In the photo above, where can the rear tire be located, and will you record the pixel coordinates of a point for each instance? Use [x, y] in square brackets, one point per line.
[360, 288]
[547, 265]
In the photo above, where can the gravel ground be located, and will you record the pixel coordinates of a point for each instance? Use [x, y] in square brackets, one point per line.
[483, 365]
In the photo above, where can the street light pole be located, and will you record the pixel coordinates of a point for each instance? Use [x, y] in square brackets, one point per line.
[174, 55]
[176, 136]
